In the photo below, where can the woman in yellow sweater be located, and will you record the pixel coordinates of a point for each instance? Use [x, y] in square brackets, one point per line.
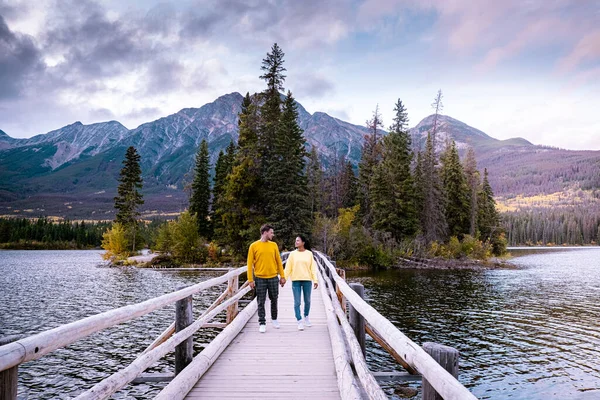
[302, 270]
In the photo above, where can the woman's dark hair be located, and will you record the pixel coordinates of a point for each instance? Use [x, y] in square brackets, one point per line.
[306, 242]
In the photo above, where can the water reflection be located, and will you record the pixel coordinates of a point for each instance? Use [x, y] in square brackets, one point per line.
[531, 333]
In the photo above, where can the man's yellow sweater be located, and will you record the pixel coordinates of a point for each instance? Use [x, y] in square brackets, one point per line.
[264, 260]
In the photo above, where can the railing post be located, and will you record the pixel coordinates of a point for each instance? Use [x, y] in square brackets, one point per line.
[232, 288]
[447, 357]
[340, 295]
[184, 317]
[357, 321]
[9, 377]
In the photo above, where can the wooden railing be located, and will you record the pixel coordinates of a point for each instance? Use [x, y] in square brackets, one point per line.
[34, 347]
[414, 357]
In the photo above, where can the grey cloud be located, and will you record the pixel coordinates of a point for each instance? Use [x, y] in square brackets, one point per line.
[164, 76]
[19, 58]
[145, 112]
[306, 85]
[102, 114]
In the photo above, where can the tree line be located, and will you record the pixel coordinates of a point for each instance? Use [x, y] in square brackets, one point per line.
[397, 204]
[23, 233]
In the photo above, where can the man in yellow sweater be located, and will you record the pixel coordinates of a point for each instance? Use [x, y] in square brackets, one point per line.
[264, 264]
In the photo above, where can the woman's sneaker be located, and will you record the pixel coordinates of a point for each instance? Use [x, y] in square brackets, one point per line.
[300, 325]
[307, 322]
[262, 328]
[276, 324]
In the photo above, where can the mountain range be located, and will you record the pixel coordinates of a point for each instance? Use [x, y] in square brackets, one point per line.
[72, 171]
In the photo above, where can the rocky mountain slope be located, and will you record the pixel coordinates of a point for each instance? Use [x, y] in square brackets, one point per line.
[73, 171]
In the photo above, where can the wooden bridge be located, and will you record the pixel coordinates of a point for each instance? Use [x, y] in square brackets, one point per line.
[323, 361]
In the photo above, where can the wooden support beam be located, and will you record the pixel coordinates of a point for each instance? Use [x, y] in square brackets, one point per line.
[184, 317]
[155, 377]
[377, 337]
[232, 288]
[395, 377]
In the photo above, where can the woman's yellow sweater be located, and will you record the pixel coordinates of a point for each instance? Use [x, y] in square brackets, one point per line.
[301, 266]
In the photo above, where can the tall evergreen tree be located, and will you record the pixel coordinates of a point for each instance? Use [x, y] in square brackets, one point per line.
[371, 156]
[488, 219]
[200, 197]
[456, 192]
[270, 113]
[392, 187]
[433, 219]
[241, 208]
[128, 197]
[222, 170]
[348, 184]
[437, 106]
[314, 176]
[290, 207]
[473, 182]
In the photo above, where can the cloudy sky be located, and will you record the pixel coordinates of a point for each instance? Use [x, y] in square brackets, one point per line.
[528, 68]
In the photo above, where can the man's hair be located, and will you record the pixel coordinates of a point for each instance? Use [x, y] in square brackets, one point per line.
[265, 228]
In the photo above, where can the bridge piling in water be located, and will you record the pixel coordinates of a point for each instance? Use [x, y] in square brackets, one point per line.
[447, 357]
[184, 317]
[357, 321]
[9, 377]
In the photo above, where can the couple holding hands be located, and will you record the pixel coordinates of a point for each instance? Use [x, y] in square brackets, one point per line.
[264, 267]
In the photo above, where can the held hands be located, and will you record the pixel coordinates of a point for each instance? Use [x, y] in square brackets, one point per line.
[316, 285]
[252, 284]
[282, 281]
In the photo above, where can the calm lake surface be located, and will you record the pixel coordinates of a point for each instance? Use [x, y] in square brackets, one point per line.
[530, 333]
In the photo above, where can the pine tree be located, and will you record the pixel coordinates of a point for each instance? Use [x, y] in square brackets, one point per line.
[223, 168]
[290, 207]
[314, 182]
[348, 184]
[433, 219]
[488, 219]
[456, 192]
[242, 208]
[473, 182]
[371, 156]
[392, 186]
[270, 113]
[200, 197]
[128, 197]
[437, 106]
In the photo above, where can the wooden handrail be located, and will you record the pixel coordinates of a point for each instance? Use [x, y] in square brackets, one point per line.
[443, 382]
[367, 380]
[36, 346]
[119, 379]
[347, 384]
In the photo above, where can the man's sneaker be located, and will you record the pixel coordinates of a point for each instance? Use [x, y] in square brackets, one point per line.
[262, 328]
[276, 324]
[307, 322]
[300, 326]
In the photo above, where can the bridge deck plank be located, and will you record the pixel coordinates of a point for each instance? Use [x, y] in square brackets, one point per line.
[281, 363]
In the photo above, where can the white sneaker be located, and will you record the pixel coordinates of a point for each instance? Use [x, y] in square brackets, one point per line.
[262, 328]
[276, 324]
[300, 326]
[307, 322]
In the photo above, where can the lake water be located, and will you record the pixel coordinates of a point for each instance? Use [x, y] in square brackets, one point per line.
[529, 333]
